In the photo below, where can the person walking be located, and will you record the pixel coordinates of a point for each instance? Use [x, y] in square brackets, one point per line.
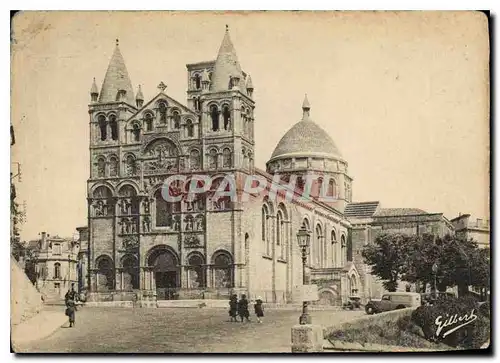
[243, 309]
[233, 307]
[70, 301]
[259, 309]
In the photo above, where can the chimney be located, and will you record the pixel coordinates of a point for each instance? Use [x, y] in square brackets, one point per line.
[44, 241]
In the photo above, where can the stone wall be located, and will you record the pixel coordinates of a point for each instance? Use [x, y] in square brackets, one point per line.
[25, 300]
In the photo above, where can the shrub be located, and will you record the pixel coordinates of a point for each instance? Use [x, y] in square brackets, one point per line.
[472, 335]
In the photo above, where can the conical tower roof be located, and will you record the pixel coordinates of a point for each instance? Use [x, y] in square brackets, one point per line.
[226, 65]
[116, 79]
[93, 89]
[249, 82]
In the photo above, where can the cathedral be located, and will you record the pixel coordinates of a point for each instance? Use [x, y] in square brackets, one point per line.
[144, 248]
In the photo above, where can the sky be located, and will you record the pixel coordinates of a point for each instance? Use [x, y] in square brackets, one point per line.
[405, 96]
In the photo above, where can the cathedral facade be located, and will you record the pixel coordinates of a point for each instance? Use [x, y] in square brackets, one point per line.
[144, 247]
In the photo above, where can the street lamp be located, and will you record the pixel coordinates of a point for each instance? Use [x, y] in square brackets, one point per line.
[303, 238]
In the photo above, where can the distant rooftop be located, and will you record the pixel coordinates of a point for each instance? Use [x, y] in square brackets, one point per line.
[361, 210]
[395, 212]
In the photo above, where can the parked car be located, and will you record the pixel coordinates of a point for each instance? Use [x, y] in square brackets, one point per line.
[392, 301]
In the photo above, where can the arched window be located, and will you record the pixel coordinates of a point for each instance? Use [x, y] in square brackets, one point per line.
[222, 267]
[226, 158]
[148, 120]
[102, 127]
[333, 239]
[129, 202]
[101, 167]
[163, 211]
[266, 235]
[214, 114]
[317, 249]
[130, 165]
[281, 235]
[57, 270]
[194, 159]
[177, 119]
[343, 252]
[197, 104]
[190, 128]
[349, 249]
[197, 81]
[196, 271]
[162, 108]
[114, 127]
[332, 188]
[113, 166]
[227, 118]
[212, 159]
[136, 132]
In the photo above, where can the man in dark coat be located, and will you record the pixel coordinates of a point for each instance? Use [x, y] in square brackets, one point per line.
[259, 309]
[233, 307]
[70, 300]
[243, 308]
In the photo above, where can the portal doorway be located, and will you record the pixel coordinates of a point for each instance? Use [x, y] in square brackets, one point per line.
[165, 272]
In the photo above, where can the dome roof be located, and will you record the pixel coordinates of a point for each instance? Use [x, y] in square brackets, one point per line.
[306, 138]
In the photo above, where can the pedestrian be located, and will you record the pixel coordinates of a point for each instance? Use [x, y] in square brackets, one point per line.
[259, 309]
[70, 301]
[233, 307]
[243, 309]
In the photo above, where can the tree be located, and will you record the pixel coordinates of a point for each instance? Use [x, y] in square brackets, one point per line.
[388, 258]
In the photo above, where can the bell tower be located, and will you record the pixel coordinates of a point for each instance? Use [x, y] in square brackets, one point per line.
[222, 93]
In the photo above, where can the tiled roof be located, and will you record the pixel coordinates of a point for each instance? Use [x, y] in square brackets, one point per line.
[361, 210]
[392, 212]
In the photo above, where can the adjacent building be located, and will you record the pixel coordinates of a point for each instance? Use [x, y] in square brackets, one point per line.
[476, 229]
[52, 265]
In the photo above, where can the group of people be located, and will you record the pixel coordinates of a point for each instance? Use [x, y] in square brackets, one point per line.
[240, 308]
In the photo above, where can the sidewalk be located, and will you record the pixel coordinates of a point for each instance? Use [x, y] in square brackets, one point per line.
[38, 327]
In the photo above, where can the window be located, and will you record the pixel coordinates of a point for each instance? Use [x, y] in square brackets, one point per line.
[56, 249]
[226, 158]
[266, 230]
[113, 166]
[333, 238]
[102, 127]
[214, 114]
[148, 120]
[281, 236]
[194, 159]
[101, 167]
[136, 132]
[114, 127]
[57, 270]
[130, 165]
[212, 159]
[227, 118]
[177, 119]
[197, 81]
[162, 108]
[163, 211]
[318, 248]
[343, 252]
[190, 128]
[332, 188]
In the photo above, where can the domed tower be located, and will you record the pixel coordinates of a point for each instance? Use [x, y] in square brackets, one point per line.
[307, 149]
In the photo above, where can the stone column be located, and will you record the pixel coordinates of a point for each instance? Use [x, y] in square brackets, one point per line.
[307, 338]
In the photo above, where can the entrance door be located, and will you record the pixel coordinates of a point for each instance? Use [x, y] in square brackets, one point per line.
[166, 275]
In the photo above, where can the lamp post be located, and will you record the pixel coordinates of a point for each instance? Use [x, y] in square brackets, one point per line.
[303, 238]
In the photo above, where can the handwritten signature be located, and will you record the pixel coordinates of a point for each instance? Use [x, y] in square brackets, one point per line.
[453, 320]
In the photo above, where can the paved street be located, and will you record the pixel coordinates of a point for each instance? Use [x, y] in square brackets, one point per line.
[176, 330]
